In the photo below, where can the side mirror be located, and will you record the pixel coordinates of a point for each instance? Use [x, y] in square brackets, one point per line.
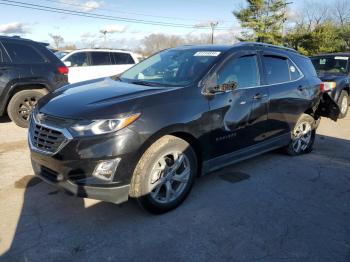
[229, 86]
[68, 63]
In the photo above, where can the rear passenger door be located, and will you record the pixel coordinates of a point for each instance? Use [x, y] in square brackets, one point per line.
[101, 64]
[7, 73]
[28, 61]
[79, 67]
[288, 91]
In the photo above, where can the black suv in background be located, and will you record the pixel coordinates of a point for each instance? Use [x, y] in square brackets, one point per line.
[28, 70]
[185, 111]
[334, 71]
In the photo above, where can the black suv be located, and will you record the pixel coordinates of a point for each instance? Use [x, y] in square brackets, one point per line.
[334, 70]
[28, 70]
[182, 112]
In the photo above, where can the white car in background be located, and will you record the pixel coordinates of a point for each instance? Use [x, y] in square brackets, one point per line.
[87, 64]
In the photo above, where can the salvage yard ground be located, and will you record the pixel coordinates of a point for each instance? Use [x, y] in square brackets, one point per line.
[269, 208]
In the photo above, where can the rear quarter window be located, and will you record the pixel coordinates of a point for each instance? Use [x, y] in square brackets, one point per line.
[306, 66]
[23, 53]
[122, 59]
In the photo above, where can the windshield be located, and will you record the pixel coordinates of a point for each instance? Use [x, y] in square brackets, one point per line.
[331, 64]
[171, 68]
[61, 54]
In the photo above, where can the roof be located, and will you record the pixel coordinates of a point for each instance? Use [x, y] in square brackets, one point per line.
[224, 48]
[15, 37]
[101, 50]
[332, 54]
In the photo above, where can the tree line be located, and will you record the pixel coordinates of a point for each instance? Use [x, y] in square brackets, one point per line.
[318, 27]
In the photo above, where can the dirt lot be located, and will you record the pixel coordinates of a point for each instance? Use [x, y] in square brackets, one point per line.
[269, 208]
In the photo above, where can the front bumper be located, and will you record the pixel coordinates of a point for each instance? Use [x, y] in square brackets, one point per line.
[113, 193]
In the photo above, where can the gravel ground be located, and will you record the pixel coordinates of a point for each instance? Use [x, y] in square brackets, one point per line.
[269, 208]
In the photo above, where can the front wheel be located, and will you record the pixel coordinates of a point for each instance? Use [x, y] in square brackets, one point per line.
[343, 103]
[164, 175]
[302, 136]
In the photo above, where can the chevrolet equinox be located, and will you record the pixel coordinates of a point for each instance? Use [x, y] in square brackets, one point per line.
[148, 132]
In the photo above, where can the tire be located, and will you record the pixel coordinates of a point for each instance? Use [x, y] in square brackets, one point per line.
[21, 105]
[164, 175]
[343, 103]
[302, 136]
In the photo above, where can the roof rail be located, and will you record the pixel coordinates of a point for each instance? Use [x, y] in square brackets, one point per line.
[267, 45]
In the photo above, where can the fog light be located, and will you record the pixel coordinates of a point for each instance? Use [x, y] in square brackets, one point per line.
[106, 169]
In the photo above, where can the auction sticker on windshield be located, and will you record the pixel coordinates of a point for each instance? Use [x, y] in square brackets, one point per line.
[341, 58]
[207, 53]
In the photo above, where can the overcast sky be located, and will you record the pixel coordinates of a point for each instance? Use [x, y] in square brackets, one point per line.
[37, 25]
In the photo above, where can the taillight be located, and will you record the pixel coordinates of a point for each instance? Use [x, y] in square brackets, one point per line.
[63, 70]
[327, 86]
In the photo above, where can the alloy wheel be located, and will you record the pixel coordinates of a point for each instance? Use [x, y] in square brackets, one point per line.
[26, 107]
[169, 177]
[344, 105]
[302, 137]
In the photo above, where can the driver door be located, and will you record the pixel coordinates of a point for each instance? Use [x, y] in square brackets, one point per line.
[239, 116]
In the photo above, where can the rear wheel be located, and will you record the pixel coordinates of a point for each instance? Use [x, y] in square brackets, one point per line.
[164, 175]
[343, 103]
[22, 104]
[302, 136]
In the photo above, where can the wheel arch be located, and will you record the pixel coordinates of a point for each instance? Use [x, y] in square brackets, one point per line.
[17, 87]
[180, 132]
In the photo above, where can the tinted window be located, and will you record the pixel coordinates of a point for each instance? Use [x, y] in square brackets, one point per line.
[307, 66]
[122, 59]
[78, 59]
[1, 55]
[331, 64]
[293, 71]
[100, 58]
[277, 69]
[22, 53]
[243, 70]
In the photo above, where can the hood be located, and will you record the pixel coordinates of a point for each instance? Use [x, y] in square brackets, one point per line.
[99, 98]
[331, 77]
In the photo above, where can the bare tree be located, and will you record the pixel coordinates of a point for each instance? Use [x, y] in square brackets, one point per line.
[314, 13]
[341, 11]
[156, 42]
[57, 40]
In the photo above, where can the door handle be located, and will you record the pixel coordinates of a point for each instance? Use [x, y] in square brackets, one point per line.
[259, 96]
[301, 88]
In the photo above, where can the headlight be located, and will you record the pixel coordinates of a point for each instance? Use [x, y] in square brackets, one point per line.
[98, 127]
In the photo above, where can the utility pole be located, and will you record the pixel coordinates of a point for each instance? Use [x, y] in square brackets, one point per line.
[284, 18]
[213, 25]
[104, 32]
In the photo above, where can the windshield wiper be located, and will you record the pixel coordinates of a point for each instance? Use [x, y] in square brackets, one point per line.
[143, 83]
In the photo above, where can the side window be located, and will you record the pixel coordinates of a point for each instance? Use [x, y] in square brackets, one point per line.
[100, 58]
[277, 69]
[122, 59]
[22, 53]
[78, 59]
[2, 60]
[243, 70]
[293, 71]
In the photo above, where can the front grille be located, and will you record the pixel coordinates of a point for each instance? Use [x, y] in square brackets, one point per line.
[46, 139]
